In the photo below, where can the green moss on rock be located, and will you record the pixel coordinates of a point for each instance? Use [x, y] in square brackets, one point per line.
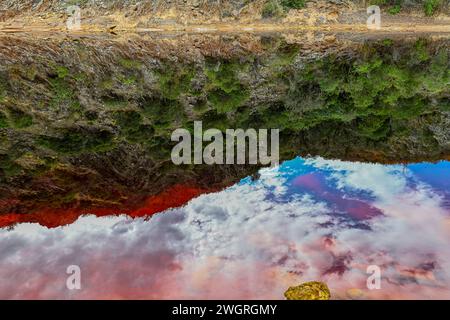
[8, 168]
[77, 141]
[164, 114]
[20, 119]
[225, 91]
[175, 81]
[272, 9]
[430, 6]
[293, 4]
[130, 63]
[131, 126]
[3, 121]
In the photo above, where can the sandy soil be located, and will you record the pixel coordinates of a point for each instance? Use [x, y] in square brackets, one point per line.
[320, 16]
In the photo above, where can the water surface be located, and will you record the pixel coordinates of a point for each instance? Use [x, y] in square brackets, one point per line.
[309, 219]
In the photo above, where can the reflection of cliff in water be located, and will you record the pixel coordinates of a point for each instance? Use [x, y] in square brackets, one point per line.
[85, 124]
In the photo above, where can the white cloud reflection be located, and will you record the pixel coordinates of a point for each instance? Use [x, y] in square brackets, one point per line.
[251, 241]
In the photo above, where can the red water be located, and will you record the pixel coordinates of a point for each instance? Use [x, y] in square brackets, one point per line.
[173, 197]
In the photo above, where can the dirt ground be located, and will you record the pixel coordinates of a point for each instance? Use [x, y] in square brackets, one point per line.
[318, 16]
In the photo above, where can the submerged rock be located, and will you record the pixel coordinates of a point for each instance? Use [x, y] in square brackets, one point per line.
[355, 294]
[313, 290]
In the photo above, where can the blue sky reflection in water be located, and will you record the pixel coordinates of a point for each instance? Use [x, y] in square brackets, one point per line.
[309, 219]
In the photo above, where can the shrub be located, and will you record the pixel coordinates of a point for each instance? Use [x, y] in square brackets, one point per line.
[395, 9]
[20, 119]
[131, 126]
[430, 6]
[77, 141]
[175, 81]
[3, 121]
[293, 4]
[226, 93]
[272, 9]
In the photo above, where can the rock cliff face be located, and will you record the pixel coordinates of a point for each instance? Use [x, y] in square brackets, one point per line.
[86, 118]
[85, 122]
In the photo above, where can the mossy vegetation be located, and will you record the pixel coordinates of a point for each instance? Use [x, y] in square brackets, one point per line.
[224, 101]
[174, 81]
[3, 121]
[272, 9]
[284, 55]
[430, 7]
[127, 80]
[73, 141]
[132, 127]
[293, 4]
[224, 90]
[278, 8]
[373, 127]
[20, 119]
[379, 94]
[129, 63]
[164, 114]
[115, 102]
[107, 84]
[2, 91]
[62, 93]
[369, 95]
[395, 9]
[62, 72]
[8, 168]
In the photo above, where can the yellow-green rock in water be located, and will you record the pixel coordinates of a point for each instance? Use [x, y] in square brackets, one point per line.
[313, 290]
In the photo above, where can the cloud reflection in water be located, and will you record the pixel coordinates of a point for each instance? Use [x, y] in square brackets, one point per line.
[309, 219]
